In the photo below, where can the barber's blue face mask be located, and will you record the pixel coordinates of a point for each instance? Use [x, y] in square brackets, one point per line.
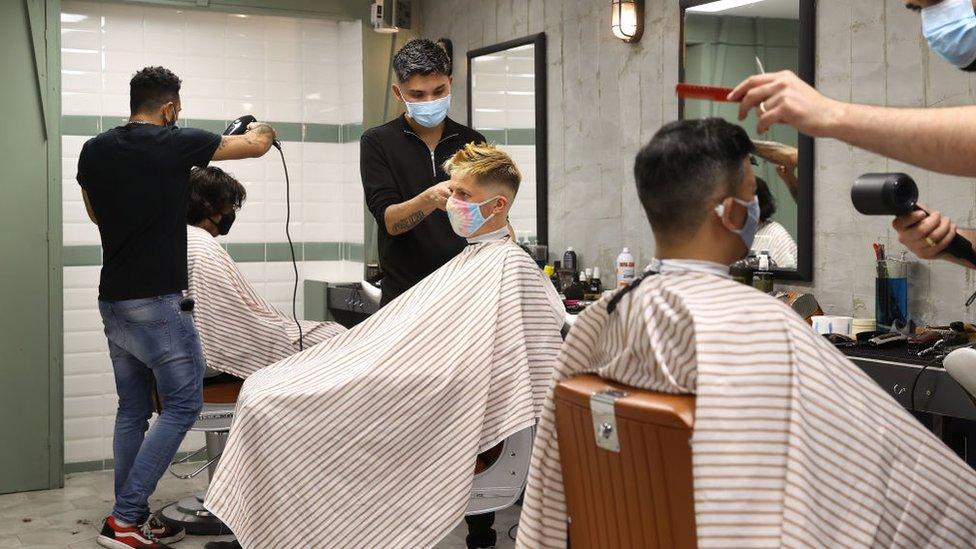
[950, 29]
[429, 113]
[748, 231]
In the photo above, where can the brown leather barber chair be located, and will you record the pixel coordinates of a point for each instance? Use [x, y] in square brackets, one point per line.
[626, 463]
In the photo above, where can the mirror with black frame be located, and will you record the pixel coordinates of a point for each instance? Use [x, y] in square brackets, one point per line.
[507, 104]
[723, 43]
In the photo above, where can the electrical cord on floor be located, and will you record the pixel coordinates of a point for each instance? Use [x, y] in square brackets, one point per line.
[291, 246]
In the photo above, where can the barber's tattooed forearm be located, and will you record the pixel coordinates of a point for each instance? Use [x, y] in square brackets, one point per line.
[262, 128]
[408, 222]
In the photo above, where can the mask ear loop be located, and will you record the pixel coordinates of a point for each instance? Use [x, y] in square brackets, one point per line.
[720, 212]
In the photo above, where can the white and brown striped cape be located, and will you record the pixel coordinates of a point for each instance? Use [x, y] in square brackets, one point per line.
[775, 239]
[793, 445]
[241, 332]
[369, 439]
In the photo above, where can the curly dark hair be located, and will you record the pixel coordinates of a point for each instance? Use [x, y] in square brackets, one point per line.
[767, 203]
[151, 87]
[421, 56]
[211, 191]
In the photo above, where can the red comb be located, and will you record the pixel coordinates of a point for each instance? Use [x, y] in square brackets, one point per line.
[698, 91]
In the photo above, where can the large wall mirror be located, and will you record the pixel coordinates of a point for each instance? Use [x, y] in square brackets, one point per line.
[725, 41]
[507, 103]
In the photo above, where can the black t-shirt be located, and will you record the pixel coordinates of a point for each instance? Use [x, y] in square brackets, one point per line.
[396, 165]
[137, 179]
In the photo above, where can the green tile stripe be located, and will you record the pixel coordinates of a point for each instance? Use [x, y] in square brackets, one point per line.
[246, 252]
[242, 252]
[78, 256]
[352, 251]
[280, 251]
[323, 251]
[287, 131]
[109, 464]
[509, 136]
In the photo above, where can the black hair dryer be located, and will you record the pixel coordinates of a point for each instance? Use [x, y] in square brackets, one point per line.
[239, 126]
[897, 194]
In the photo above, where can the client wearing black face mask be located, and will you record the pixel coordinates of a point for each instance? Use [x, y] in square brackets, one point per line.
[215, 197]
[240, 330]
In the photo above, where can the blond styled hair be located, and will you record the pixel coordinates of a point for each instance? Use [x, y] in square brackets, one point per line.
[486, 163]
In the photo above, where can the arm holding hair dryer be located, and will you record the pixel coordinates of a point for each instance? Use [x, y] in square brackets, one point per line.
[927, 234]
[246, 138]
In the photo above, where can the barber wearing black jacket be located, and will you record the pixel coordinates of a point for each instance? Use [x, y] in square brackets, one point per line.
[407, 189]
[400, 163]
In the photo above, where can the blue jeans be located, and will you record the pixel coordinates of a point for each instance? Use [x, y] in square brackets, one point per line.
[150, 339]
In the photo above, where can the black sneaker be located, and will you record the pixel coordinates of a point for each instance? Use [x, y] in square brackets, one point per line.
[164, 532]
[132, 536]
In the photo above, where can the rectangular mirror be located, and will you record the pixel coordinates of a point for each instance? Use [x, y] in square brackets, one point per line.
[726, 41]
[507, 104]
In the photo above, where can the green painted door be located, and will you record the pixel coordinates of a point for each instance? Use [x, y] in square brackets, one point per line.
[30, 280]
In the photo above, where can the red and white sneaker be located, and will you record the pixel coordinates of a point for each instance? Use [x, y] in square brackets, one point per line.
[132, 536]
[163, 532]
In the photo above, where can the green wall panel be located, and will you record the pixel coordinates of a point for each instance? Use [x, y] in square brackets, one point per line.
[30, 219]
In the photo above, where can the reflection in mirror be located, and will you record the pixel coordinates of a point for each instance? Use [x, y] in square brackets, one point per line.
[725, 42]
[506, 103]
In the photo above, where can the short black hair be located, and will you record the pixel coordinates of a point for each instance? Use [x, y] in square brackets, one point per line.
[151, 87]
[686, 165]
[212, 190]
[767, 203]
[420, 56]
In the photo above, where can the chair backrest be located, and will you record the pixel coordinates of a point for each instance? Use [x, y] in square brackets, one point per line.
[633, 487]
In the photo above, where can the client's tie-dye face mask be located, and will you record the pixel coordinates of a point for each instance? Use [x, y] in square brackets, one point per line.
[466, 217]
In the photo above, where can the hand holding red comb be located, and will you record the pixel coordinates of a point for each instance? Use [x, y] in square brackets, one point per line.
[706, 93]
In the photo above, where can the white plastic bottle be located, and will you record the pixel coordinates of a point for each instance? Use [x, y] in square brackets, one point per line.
[625, 268]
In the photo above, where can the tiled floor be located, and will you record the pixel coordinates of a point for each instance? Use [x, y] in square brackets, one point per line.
[70, 517]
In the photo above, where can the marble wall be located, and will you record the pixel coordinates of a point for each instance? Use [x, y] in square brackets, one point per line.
[606, 98]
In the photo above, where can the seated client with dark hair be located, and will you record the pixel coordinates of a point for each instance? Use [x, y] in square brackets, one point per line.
[793, 445]
[241, 331]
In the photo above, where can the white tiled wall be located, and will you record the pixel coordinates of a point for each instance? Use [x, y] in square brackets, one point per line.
[523, 212]
[503, 86]
[503, 89]
[276, 68]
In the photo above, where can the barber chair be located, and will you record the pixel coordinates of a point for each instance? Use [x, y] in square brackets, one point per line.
[219, 401]
[626, 464]
[500, 474]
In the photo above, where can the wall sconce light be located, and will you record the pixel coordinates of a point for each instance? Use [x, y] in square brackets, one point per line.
[627, 19]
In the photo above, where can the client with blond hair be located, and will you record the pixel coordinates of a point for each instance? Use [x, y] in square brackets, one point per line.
[370, 439]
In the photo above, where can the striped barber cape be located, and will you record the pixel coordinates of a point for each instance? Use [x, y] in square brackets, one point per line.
[370, 438]
[241, 332]
[793, 445]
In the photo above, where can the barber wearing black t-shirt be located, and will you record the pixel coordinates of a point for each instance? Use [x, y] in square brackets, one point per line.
[400, 163]
[135, 182]
[407, 189]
